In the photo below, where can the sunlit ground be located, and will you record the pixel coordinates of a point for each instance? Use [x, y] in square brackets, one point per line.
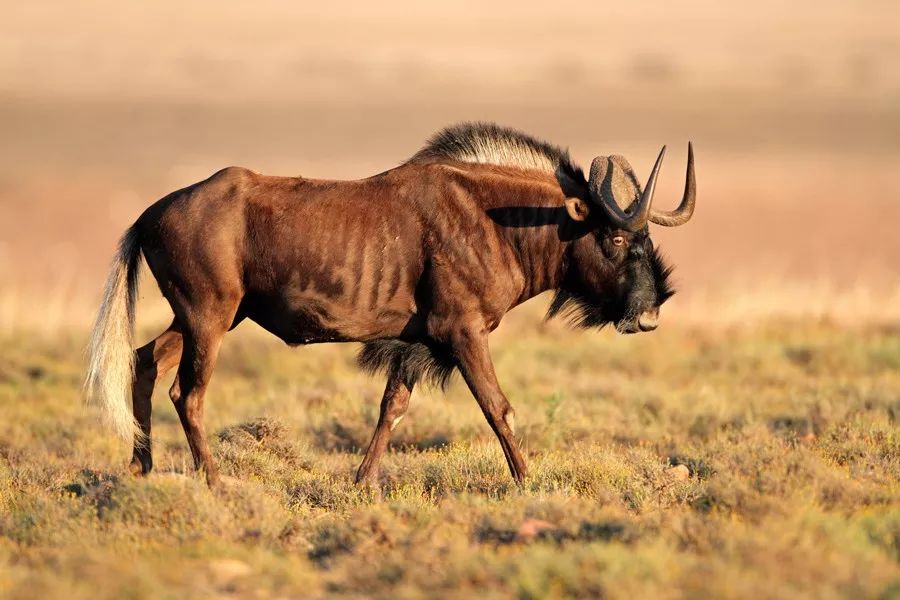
[787, 435]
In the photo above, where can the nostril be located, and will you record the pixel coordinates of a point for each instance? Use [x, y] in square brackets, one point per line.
[649, 319]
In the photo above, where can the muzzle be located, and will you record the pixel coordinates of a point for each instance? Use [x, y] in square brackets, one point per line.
[645, 321]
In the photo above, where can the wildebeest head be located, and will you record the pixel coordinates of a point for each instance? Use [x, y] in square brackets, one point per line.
[616, 274]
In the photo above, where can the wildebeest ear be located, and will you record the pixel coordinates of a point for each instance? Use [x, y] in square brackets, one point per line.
[577, 208]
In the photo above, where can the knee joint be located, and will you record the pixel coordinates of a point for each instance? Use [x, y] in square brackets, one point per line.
[394, 414]
[509, 417]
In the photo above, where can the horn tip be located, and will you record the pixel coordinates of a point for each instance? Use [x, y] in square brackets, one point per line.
[662, 153]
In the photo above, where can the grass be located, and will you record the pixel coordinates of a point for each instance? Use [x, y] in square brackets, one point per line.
[789, 434]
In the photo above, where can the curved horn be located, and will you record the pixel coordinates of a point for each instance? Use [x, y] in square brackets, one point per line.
[638, 216]
[685, 210]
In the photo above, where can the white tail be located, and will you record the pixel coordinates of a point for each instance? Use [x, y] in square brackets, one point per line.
[110, 370]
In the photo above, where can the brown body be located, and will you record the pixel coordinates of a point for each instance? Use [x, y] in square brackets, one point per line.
[419, 263]
[400, 255]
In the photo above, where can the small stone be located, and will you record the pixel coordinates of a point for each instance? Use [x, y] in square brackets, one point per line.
[678, 473]
[229, 569]
[531, 528]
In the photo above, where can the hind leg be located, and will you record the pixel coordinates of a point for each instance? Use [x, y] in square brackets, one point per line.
[152, 362]
[393, 406]
[202, 340]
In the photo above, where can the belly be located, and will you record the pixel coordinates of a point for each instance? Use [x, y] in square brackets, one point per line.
[311, 320]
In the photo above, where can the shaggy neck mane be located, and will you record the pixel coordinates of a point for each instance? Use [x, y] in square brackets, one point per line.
[488, 143]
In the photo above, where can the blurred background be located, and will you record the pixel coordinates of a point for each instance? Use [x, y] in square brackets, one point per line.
[793, 108]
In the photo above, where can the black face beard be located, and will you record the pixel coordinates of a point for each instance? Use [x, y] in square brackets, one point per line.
[579, 310]
[583, 312]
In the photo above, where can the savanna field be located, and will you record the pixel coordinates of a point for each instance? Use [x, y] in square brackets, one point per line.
[749, 448]
[748, 462]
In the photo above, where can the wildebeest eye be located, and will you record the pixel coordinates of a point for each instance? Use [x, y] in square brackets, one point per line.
[618, 240]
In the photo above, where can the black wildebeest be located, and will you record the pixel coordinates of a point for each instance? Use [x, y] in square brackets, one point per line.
[418, 263]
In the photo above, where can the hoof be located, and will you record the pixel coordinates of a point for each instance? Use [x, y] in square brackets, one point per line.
[140, 468]
[224, 483]
[214, 481]
[370, 485]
